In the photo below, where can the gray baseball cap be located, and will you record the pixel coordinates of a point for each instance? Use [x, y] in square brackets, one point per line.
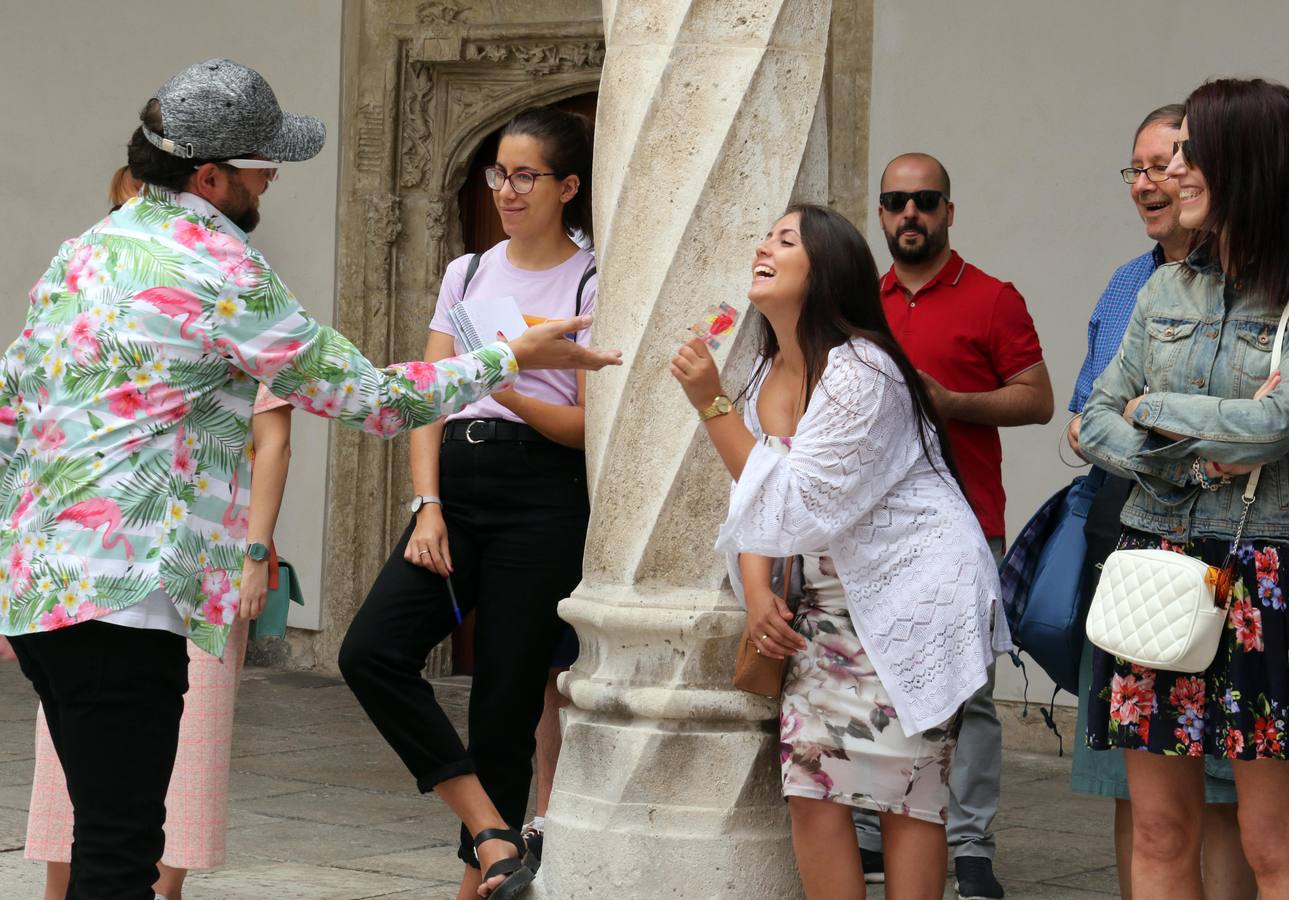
[221, 109]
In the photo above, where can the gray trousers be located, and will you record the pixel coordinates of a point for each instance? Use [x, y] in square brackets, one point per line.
[974, 778]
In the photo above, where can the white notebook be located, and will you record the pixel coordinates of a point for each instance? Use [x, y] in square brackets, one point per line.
[477, 321]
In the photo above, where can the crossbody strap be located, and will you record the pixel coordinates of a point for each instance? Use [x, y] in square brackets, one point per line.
[469, 272]
[581, 285]
[1251, 489]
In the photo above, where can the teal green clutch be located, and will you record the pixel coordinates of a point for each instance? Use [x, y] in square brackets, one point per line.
[272, 622]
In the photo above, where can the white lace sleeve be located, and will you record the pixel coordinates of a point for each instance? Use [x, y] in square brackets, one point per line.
[855, 442]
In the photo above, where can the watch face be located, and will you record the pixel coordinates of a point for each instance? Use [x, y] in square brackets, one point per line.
[417, 503]
[257, 552]
[723, 404]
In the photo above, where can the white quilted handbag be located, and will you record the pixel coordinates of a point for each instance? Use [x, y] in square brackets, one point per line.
[1158, 608]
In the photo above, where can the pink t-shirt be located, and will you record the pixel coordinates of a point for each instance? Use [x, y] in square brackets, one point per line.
[549, 293]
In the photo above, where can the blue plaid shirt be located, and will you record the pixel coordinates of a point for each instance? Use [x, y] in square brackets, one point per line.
[1110, 320]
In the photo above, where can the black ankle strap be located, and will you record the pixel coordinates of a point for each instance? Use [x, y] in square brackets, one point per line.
[501, 834]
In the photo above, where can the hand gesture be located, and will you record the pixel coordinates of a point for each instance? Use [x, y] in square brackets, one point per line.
[546, 346]
[695, 369]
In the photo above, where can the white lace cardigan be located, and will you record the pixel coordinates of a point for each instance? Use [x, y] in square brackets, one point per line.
[856, 485]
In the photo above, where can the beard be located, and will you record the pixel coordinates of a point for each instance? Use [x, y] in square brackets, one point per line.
[243, 211]
[931, 245]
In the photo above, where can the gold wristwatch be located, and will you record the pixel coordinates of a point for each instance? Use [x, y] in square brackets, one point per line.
[720, 406]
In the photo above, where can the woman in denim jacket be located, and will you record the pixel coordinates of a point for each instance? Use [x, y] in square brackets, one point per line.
[1187, 410]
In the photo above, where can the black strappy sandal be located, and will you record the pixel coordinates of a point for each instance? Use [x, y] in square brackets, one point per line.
[518, 875]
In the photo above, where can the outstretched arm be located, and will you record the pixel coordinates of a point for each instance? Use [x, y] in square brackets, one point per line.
[262, 329]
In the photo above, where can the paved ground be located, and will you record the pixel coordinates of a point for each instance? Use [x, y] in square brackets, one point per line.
[323, 810]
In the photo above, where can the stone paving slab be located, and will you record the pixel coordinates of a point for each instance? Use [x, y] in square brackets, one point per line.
[321, 809]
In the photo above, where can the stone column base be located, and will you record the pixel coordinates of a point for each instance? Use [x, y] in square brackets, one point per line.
[663, 808]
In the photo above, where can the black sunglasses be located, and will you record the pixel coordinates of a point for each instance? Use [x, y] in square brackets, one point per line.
[925, 201]
[1184, 147]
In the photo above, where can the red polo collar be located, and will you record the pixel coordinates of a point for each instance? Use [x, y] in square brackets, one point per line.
[950, 274]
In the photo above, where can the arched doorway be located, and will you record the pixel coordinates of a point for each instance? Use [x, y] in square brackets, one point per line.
[480, 230]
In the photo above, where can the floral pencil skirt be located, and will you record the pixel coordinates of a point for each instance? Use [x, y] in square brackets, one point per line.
[1237, 707]
[840, 738]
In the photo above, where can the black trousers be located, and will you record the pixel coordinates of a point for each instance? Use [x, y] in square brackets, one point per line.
[113, 697]
[516, 513]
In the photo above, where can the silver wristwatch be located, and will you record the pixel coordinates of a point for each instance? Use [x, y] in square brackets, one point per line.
[422, 500]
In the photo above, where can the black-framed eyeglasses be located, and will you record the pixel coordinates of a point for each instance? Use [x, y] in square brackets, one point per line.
[925, 201]
[1184, 148]
[1153, 173]
[520, 182]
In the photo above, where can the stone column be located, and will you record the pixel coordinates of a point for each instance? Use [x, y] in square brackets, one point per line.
[668, 782]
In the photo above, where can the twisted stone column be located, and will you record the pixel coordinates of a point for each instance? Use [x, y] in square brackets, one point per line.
[668, 782]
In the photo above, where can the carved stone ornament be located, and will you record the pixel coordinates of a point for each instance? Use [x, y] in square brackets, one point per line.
[438, 12]
[383, 225]
[538, 58]
[418, 129]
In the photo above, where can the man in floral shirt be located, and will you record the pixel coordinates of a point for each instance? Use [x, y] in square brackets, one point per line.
[124, 475]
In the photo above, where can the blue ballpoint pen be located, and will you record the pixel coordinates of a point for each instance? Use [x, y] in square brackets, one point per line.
[452, 595]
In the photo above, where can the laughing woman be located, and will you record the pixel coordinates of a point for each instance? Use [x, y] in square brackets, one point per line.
[839, 458]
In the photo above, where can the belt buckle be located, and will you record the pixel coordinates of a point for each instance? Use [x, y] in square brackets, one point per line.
[470, 438]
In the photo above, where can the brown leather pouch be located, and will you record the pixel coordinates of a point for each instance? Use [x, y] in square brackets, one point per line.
[755, 672]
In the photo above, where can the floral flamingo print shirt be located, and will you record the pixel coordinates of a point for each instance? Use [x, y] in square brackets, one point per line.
[125, 409]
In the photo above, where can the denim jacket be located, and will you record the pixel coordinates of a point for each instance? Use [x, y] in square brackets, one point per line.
[1197, 350]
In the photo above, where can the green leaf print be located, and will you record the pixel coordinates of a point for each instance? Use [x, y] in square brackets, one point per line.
[269, 297]
[146, 260]
[222, 434]
[85, 382]
[114, 591]
[67, 477]
[144, 497]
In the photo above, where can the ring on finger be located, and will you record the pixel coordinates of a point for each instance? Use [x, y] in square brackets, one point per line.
[422, 553]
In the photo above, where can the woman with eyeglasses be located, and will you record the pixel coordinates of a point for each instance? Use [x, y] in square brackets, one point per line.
[1186, 410]
[499, 503]
[840, 457]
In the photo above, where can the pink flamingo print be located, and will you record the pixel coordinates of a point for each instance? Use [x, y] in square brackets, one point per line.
[236, 521]
[99, 511]
[175, 303]
[266, 363]
[23, 505]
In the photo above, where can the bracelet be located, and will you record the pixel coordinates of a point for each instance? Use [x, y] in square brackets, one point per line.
[1200, 476]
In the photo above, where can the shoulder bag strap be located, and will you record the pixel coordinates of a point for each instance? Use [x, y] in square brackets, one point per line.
[469, 272]
[581, 285]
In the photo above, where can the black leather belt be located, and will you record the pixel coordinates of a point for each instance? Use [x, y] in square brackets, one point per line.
[479, 431]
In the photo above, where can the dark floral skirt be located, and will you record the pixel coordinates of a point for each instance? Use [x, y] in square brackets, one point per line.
[1237, 707]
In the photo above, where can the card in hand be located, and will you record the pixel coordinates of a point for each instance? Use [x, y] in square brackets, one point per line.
[715, 325]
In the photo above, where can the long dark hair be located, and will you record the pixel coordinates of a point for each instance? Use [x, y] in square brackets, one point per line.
[843, 301]
[567, 145]
[1239, 140]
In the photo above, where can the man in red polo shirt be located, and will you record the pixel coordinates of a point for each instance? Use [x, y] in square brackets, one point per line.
[974, 344]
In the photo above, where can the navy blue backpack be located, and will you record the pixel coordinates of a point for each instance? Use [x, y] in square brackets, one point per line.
[1043, 592]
